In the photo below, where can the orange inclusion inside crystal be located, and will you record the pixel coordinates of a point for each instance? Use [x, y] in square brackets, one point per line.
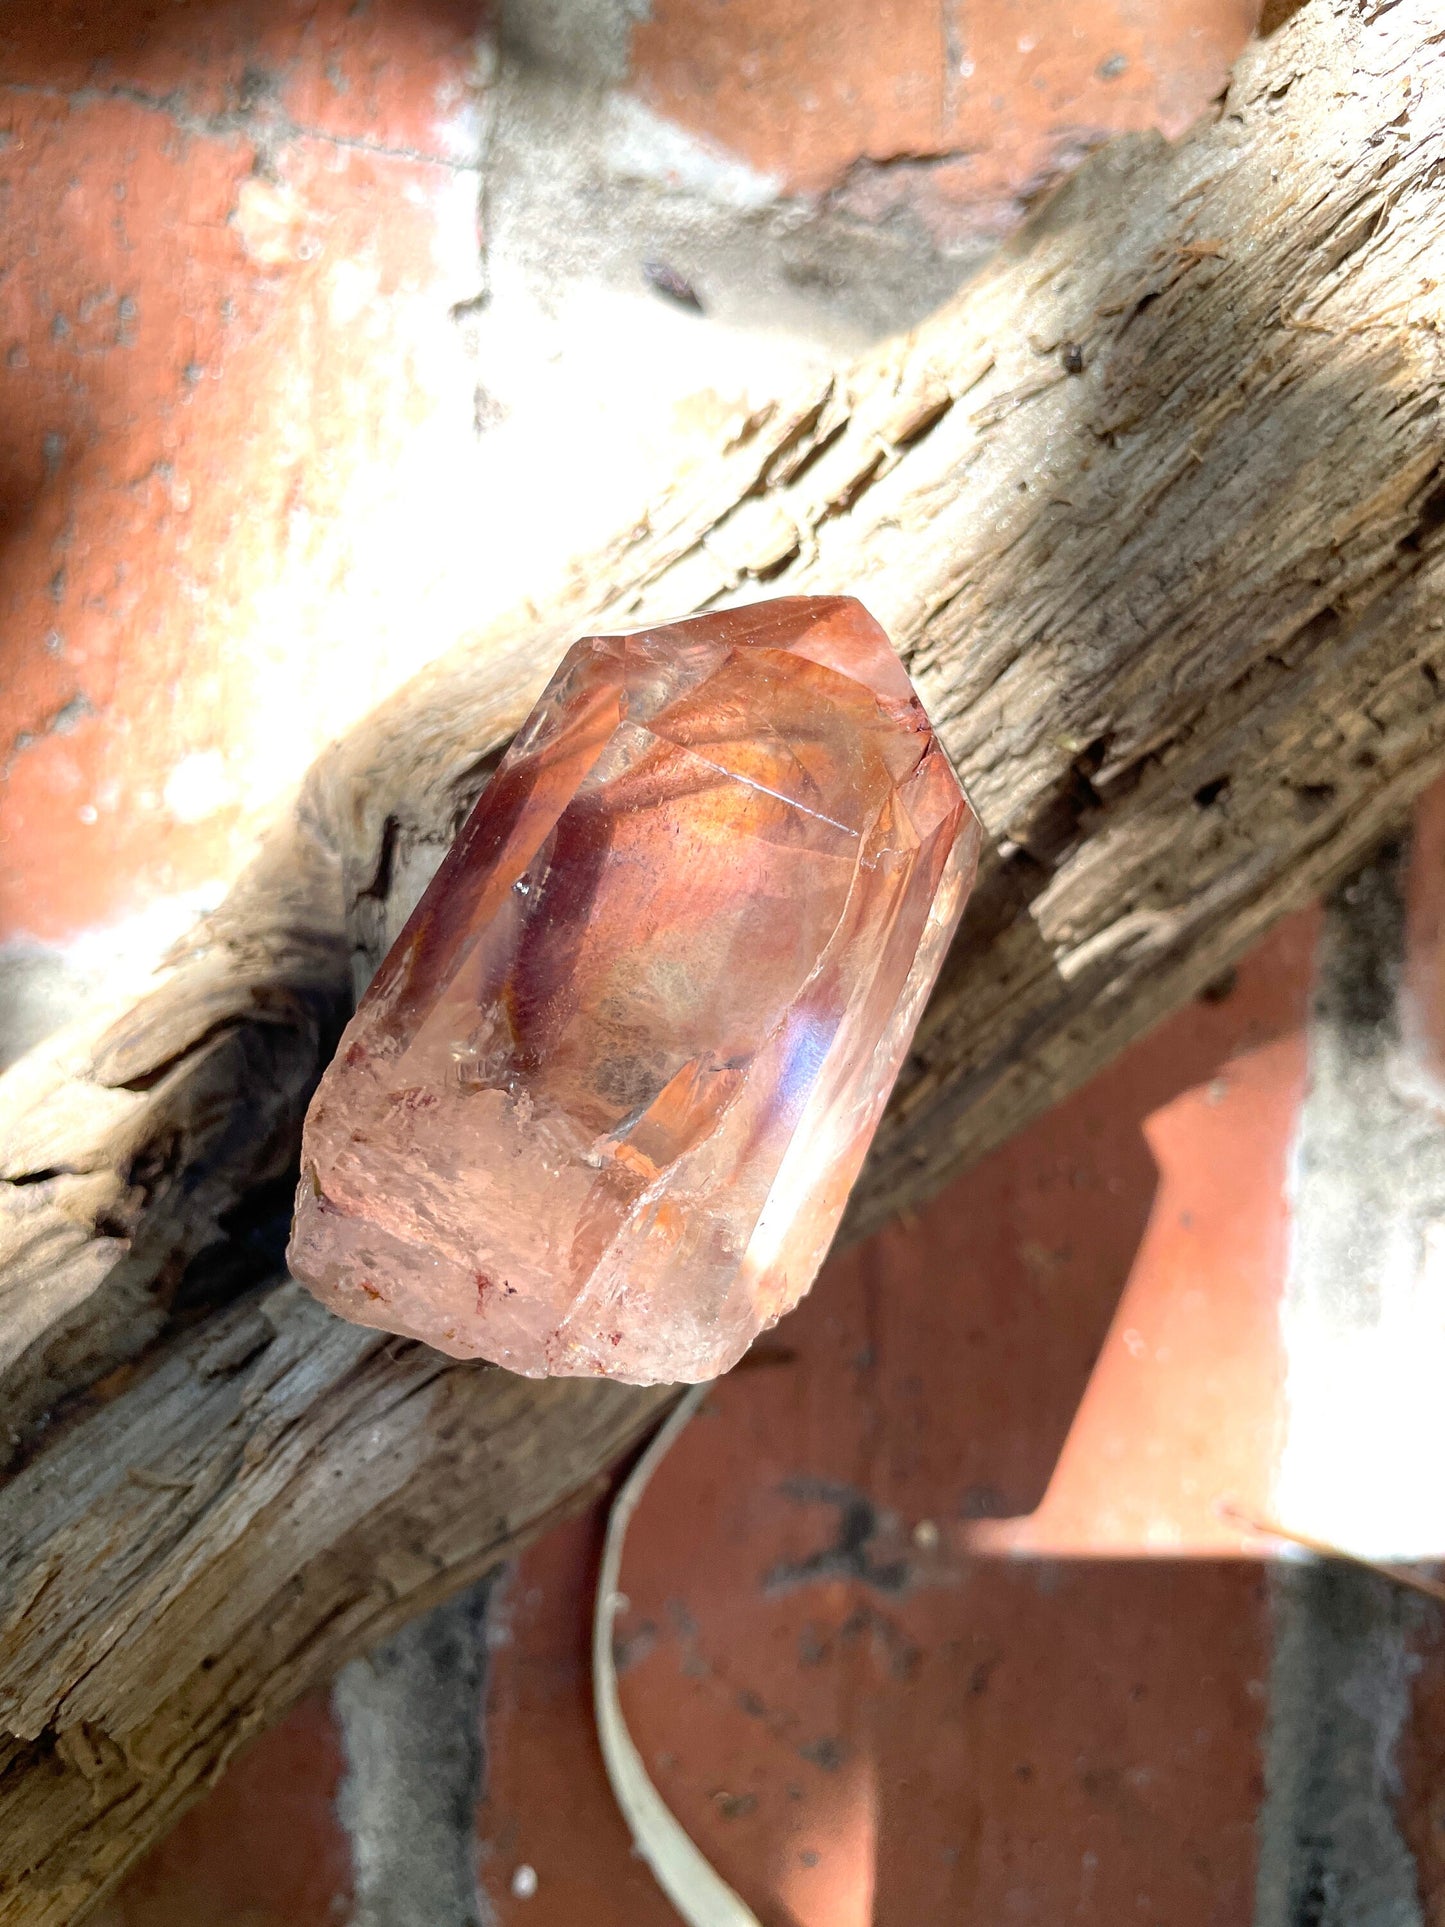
[627, 1055]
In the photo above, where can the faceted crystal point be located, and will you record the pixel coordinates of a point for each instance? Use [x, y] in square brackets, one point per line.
[601, 1109]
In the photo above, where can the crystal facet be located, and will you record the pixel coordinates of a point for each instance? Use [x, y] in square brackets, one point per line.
[602, 1106]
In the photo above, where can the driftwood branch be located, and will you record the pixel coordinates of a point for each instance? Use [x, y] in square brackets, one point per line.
[1155, 512]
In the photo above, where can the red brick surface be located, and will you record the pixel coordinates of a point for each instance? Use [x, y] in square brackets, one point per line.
[858, 1713]
[238, 418]
[264, 1850]
[959, 111]
[934, 1616]
[225, 360]
[1422, 1767]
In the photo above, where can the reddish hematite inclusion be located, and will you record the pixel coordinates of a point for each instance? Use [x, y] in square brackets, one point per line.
[602, 1106]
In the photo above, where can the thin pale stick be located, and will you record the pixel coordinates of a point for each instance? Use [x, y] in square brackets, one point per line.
[1271, 1529]
[691, 1883]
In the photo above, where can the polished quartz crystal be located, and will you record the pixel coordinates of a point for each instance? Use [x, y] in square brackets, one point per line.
[602, 1106]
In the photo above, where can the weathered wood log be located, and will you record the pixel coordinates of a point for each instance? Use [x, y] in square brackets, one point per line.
[287, 1489]
[1155, 512]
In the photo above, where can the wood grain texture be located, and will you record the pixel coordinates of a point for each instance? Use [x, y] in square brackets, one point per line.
[1155, 512]
[280, 1491]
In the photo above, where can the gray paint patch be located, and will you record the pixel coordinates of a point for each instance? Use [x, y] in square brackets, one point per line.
[1363, 1338]
[411, 1723]
[1368, 1198]
[1331, 1851]
[38, 992]
[590, 40]
[594, 389]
